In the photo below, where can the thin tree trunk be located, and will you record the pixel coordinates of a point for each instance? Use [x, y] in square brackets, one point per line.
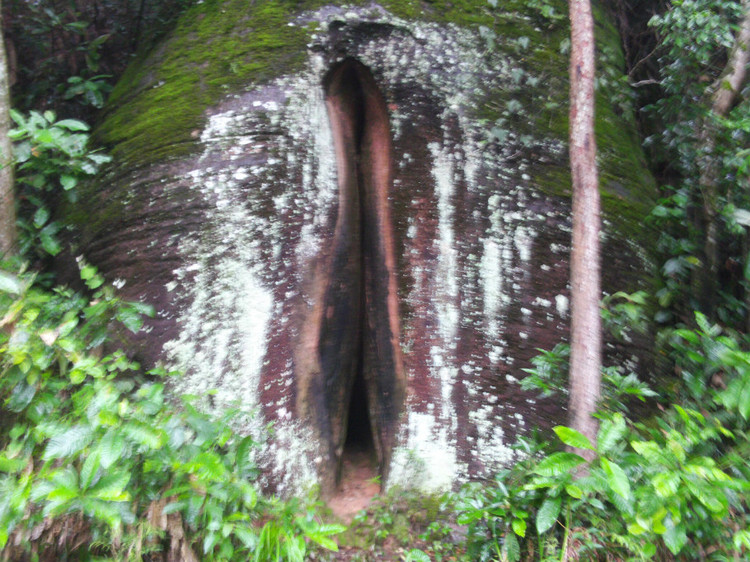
[585, 352]
[7, 201]
[723, 93]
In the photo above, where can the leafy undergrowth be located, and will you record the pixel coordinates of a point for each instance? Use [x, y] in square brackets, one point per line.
[674, 486]
[97, 464]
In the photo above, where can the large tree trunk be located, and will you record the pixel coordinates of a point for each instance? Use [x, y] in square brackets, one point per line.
[7, 201]
[585, 353]
[723, 93]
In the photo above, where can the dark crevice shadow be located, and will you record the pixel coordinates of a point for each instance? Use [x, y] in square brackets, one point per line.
[360, 386]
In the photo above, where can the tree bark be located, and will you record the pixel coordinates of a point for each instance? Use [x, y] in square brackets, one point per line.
[585, 352]
[7, 200]
[722, 96]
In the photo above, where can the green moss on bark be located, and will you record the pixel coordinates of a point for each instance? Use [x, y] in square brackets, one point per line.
[217, 47]
[223, 46]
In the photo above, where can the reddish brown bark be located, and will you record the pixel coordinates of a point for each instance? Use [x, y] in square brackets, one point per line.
[585, 356]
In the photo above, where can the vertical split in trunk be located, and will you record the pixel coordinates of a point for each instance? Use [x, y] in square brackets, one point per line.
[354, 394]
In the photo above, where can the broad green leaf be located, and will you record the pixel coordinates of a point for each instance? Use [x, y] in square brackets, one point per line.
[710, 496]
[77, 376]
[674, 536]
[682, 413]
[703, 323]
[131, 319]
[573, 491]
[94, 97]
[610, 432]
[66, 327]
[68, 442]
[49, 243]
[547, 514]
[558, 463]
[40, 217]
[111, 448]
[105, 511]
[330, 529]
[41, 490]
[295, 549]
[145, 435]
[743, 399]
[173, 507]
[649, 450]
[469, 517]
[573, 438]
[21, 396]
[142, 308]
[62, 494]
[72, 125]
[665, 483]
[45, 136]
[616, 478]
[110, 487]
[741, 539]
[87, 272]
[18, 117]
[68, 182]
[99, 158]
[95, 282]
[22, 152]
[12, 465]
[246, 535]
[324, 541]
[9, 283]
[510, 547]
[207, 465]
[64, 483]
[416, 555]
[688, 335]
[208, 542]
[519, 527]
[90, 468]
[243, 451]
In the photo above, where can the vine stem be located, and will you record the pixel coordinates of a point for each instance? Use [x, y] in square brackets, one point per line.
[566, 536]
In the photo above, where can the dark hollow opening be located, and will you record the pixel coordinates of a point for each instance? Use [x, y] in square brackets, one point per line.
[359, 360]
[359, 444]
[359, 429]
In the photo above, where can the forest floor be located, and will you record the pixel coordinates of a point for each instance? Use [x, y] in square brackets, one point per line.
[384, 528]
[359, 485]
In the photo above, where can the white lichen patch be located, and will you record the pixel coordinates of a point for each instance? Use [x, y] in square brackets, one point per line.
[446, 289]
[224, 328]
[427, 461]
[293, 446]
[492, 448]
